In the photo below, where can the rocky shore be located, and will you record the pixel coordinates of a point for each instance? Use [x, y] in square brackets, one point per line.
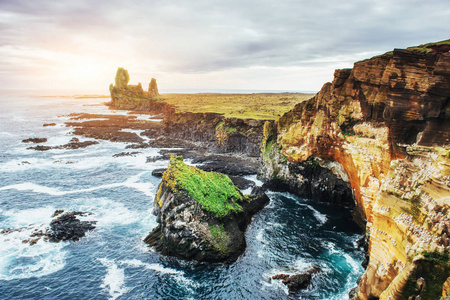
[376, 139]
[66, 226]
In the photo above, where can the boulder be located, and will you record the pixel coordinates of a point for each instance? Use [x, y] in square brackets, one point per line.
[297, 281]
[67, 227]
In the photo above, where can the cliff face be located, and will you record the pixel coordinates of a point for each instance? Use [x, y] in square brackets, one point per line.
[216, 132]
[383, 128]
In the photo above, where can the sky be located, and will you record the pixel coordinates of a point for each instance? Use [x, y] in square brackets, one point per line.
[287, 45]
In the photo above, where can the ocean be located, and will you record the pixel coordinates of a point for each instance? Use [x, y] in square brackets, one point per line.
[112, 262]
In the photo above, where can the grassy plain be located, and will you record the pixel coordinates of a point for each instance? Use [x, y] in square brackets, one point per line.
[268, 106]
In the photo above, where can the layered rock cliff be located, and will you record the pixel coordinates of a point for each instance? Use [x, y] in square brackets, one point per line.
[383, 130]
[216, 132]
[201, 215]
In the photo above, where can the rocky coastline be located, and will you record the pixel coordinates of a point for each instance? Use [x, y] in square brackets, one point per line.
[375, 140]
[382, 128]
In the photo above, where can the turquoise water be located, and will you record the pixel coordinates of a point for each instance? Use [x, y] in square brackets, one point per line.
[112, 262]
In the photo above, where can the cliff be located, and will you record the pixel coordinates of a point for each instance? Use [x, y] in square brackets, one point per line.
[133, 97]
[201, 215]
[216, 132]
[383, 130]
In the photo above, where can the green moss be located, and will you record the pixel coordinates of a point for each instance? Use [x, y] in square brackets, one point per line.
[435, 269]
[215, 192]
[219, 237]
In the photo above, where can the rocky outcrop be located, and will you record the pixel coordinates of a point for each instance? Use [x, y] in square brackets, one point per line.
[215, 132]
[382, 128]
[201, 215]
[66, 227]
[297, 281]
[133, 97]
[73, 144]
[153, 88]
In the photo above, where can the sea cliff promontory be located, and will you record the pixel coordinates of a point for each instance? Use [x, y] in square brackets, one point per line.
[383, 130]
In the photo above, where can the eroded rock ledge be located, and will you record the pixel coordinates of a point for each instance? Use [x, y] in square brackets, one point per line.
[387, 123]
[201, 215]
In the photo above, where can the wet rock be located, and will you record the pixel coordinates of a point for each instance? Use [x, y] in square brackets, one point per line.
[241, 183]
[298, 281]
[67, 227]
[151, 159]
[138, 146]
[57, 212]
[122, 154]
[73, 144]
[40, 148]
[159, 172]
[352, 293]
[49, 124]
[35, 140]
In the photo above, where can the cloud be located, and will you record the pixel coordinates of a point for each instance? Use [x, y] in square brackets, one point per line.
[205, 37]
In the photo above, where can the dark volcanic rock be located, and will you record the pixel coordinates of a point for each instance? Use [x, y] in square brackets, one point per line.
[241, 183]
[40, 148]
[298, 281]
[35, 140]
[159, 172]
[122, 154]
[201, 216]
[138, 146]
[68, 228]
[73, 144]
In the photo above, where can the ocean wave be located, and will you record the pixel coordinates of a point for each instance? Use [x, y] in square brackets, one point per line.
[155, 267]
[21, 260]
[114, 280]
[132, 182]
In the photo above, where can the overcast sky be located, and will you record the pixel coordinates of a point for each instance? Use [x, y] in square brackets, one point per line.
[204, 44]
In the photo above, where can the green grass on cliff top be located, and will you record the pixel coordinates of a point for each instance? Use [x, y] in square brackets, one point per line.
[215, 192]
[265, 106]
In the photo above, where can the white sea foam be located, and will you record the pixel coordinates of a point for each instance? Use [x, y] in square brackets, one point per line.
[6, 133]
[155, 267]
[21, 260]
[355, 266]
[114, 280]
[247, 191]
[132, 182]
[331, 247]
[260, 235]
[254, 179]
[107, 212]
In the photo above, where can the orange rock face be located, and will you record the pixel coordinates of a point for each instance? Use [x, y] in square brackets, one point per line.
[387, 123]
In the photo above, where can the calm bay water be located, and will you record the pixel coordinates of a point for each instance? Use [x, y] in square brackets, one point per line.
[112, 262]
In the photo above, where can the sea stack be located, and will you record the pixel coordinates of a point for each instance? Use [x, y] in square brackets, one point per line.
[153, 88]
[201, 215]
[133, 97]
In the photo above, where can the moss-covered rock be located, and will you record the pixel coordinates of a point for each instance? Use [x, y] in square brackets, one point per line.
[201, 215]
